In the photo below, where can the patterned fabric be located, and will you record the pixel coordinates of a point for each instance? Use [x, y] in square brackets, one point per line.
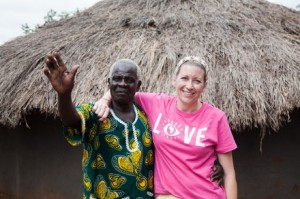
[109, 169]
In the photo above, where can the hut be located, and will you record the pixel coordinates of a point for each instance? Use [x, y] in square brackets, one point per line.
[252, 48]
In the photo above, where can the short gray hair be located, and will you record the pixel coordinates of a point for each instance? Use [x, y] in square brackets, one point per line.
[126, 61]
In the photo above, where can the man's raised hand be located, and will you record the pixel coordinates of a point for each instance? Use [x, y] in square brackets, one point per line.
[59, 76]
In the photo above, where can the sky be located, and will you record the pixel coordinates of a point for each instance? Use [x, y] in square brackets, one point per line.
[15, 13]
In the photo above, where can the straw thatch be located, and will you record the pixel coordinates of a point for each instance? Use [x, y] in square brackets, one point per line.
[252, 49]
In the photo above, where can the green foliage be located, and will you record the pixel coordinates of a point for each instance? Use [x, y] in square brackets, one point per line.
[26, 29]
[51, 17]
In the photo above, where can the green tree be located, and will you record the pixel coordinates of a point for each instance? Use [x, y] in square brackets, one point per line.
[50, 17]
[26, 29]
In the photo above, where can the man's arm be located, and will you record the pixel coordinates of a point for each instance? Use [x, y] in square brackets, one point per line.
[62, 80]
[67, 111]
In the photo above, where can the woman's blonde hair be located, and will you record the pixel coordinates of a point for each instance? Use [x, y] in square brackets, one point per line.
[197, 61]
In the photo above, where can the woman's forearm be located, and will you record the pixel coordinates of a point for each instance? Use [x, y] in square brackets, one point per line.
[230, 186]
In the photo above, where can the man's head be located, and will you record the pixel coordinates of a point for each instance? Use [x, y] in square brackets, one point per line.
[124, 81]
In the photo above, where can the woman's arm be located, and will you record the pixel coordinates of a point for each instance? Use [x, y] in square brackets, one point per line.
[101, 107]
[230, 183]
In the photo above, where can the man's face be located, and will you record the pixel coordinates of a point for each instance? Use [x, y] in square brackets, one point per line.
[123, 83]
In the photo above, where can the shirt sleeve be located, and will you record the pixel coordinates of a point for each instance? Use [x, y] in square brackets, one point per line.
[76, 136]
[226, 142]
[148, 101]
[145, 100]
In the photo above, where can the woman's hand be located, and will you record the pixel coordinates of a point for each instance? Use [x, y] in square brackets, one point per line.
[101, 108]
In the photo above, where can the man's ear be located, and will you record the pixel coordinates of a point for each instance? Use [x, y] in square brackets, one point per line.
[108, 81]
[138, 85]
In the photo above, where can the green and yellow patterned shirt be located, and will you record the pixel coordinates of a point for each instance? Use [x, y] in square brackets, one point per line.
[109, 169]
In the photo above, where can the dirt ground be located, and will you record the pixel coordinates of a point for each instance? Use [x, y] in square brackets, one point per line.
[6, 196]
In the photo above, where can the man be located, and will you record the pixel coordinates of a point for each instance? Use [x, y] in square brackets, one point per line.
[117, 154]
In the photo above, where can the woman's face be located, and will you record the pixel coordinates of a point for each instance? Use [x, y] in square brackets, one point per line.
[189, 84]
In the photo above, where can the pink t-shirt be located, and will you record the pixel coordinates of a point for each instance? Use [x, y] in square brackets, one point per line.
[186, 146]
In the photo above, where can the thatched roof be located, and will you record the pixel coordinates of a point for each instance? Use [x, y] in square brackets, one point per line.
[252, 49]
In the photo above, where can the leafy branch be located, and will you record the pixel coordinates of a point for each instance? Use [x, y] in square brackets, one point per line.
[51, 17]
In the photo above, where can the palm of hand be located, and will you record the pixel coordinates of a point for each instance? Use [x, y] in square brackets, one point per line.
[62, 81]
[59, 76]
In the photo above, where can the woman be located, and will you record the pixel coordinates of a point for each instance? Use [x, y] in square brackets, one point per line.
[188, 135]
